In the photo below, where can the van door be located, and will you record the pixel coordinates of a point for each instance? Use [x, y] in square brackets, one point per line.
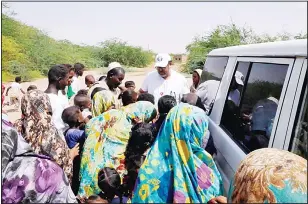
[296, 140]
[251, 109]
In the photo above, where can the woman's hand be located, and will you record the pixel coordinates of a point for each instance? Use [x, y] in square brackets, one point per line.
[219, 199]
[74, 151]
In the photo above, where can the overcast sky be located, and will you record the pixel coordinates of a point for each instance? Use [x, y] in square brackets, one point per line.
[161, 26]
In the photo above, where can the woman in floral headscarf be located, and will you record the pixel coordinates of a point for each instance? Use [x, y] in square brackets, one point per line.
[107, 137]
[269, 175]
[37, 129]
[28, 177]
[177, 168]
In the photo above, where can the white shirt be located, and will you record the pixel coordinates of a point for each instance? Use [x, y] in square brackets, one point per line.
[75, 84]
[207, 92]
[235, 96]
[15, 89]
[176, 85]
[58, 104]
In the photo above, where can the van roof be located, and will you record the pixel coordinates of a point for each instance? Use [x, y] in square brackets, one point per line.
[289, 48]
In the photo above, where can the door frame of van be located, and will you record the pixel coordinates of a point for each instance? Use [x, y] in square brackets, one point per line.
[216, 114]
[300, 87]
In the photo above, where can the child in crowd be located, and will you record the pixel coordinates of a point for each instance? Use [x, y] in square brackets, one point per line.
[95, 199]
[31, 87]
[146, 97]
[142, 137]
[130, 85]
[73, 136]
[90, 81]
[15, 92]
[102, 78]
[129, 97]
[69, 90]
[109, 182]
[83, 101]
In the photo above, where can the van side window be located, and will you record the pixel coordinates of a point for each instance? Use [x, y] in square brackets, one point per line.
[251, 104]
[298, 144]
[213, 71]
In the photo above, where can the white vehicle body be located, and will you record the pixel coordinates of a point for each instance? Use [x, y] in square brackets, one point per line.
[282, 65]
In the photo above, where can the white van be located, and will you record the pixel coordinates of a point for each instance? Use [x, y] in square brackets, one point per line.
[261, 101]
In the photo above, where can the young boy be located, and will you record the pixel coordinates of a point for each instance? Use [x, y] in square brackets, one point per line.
[90, 81]
[129, 97]
[73, 136]
[130, 85]
[146, 97]
[31, 87]
[83, 101]
[15, 92]
[58, 79]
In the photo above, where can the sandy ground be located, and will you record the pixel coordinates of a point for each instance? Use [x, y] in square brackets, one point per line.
[137, 77]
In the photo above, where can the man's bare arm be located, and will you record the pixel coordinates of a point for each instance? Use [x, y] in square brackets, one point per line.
[7, 91]
[22, 91]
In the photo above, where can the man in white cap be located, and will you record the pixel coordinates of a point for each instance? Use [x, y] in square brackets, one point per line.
[115, 76]
[164, 80]
[235, 94]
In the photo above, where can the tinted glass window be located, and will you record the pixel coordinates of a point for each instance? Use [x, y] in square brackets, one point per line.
[252, 102]
[213, 71]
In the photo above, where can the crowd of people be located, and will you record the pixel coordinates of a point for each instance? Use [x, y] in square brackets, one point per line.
[112, 144]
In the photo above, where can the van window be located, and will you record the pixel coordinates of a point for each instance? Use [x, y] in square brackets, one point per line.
[251, 104]
[298, 144]
[213, 71]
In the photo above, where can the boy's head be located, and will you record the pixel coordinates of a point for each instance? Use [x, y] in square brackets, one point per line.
[72, 116]
[102, 78]
[59, 75]
[79, 69]
[96, 199]
[165, 104]
[83, 101]
[18, 79]
[128, 97]
[82, 91]
[146, 97]
[31, 87]
[89, 80]
[130, 85]
[71, 73]
[109, 182]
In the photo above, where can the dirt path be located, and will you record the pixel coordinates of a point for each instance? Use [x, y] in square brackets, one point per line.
[137, 77]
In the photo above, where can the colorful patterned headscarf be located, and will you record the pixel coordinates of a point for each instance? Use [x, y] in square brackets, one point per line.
[270, 176]
[177, 169]
[38, 130]
[28, 177]
[107, 137]
[101, 102]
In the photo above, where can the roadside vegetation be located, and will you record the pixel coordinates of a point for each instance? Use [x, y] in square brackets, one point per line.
[225, 36]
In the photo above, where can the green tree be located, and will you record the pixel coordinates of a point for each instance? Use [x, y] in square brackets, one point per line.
[225, 36]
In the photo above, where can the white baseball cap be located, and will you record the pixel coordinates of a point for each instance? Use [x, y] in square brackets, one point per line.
[239, 78]
[113, 65]
[162, 60]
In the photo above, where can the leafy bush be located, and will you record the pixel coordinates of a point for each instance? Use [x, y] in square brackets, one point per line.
[225, 36]
[29, 52]
[115, 50]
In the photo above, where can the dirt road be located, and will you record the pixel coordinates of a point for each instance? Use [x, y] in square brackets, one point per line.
[137, 77]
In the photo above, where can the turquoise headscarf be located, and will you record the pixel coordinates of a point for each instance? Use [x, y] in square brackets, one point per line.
[107, 137]
[177, 169]
[270, 175]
